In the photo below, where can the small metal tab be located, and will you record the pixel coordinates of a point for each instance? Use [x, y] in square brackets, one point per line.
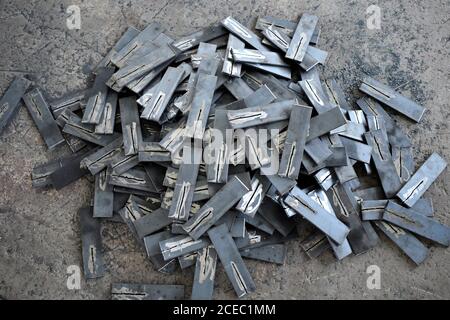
[184, 188]
[404, 163]
[100, 159]
[91, 244]
[251, 201]
[230, 67]
[336, 94]
[325, 122]
[325, 178]
[391, 98]
[298, 130]
[314, 91]
[417, 223]
[422, 180]
[357, 151]
[9, 103]
[131, 291]
[205, 51]
[187, 260]
[382, 159]
[277, 37]
[181, 245]
[409, 244]
[205, 271]
[315, 244]
[260, 115]
[145, 82]
[131, 125]
[135, 178]
[373, 209]
[244, 33]
[231, 260]
[238, 88]
[151, 222]
[218, 205]
[201, 105]
[103, 196]
[302, 37]
[344, 206]
[107, 119]
[285, 26]
[318, 151]
[97, 97]
[152, 242]
[43, 118]
[273, 253]
[255, 56]
[314, 213]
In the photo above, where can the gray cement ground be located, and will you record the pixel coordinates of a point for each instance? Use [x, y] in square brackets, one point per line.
[39, 235]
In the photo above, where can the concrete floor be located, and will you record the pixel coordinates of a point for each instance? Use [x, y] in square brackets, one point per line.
[39, 233]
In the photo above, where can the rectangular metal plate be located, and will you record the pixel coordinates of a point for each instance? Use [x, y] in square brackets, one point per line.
[273, 253]
[302, 37]
[135, 178]
[255, 56]
[151, 222]
[231, 260]
[217, 206]
[107, 119]
[103, 196]
[314, 213]
[391, 98]
[243, 33]
[103, 157]
[9, 103]
[181, 245]
[43, 118]
[205, 271]
[251, 201]
[131, 125]
[91, 244]
[274, 214]
[71, 101]
[417, 223]
[422, 180]
[230, 67]
[191, 41]
[357, 151]
[326, 122]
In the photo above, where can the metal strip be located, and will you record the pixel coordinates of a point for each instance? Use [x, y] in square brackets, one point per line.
[70, 171]
[274, 253]
[243, 33]
[318, 150]
[373, 209]
[131, 125]
[129, 291]
[391, 98]
[43, 118]
[153, 152]
[302, 37]
[382, 159]
[258, 222]
[205, 271]
[135, 178]
[191, 41]
[422, 180]
[255, 56]
[201, 105]
[91, 244]
[107, 119]
[417, 223]
[336, 94]
[71, 101]
[217, 206]
[103, 196]
[326, 122]
[314, 91]
[314, 213]
[404, 162]
[297, 132]
[100, 159]
[409, 244]
[357, 151]
[181, 245]
[231, 260]
[238, 88]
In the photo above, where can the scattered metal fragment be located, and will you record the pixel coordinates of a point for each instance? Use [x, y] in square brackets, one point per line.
[129, 291]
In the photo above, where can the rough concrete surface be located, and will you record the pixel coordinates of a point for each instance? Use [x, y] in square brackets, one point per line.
[39, 232]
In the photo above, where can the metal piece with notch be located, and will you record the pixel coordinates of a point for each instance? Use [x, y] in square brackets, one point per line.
[302, 36]
[373, 209]
[91, 244]
[205, 272]
[191, 41]
[252, 200]
[43, 118]
[231, 260]
[230, 67]
[103, 157]
[131, 125]
[151, 222]
[71, 101]
[417, 223]
[132, 291]
[273, 253]
[256, 56]
[108, 117]
[217, 205]
[243, 33]
[422, 180]
[103, 196]
[180, 245]
[393, 99]
[135, 178]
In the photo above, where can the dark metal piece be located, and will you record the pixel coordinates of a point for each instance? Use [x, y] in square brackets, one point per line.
[422, 180]
[373, 209]
[231, 260]
[274, 214]
[205, 271]
[103, 157]
[153, 152]
[71, 101]
[97, 97]
[315, 244]
[103, 196]
[391, 98]
[135, 178]
[273, 253]
[181, 245]
[107, 119]
[91, 244]
[151, 222]
[43, 118]
[70, 171]
[9, 103]
[230, 67]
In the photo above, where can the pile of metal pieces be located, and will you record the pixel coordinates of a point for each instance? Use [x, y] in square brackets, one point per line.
[295, 161]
